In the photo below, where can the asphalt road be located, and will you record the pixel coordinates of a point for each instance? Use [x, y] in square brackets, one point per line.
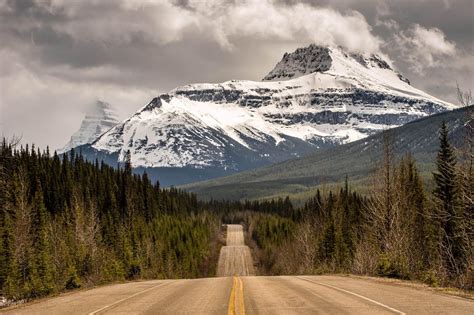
[235, 258]
[253, 295]
[345, 295]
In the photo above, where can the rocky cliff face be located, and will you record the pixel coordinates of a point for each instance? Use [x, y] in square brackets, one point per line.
[315, 97]
[302, 61]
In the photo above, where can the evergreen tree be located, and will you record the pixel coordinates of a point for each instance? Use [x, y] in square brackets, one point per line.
[5, 220]
[41, 279]
[328, 245]
[349, 218]
[446, 194]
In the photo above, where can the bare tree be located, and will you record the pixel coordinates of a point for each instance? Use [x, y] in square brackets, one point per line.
[298, 254]
[388, 215]
[306, 244]
[380, 211]
[466, 176]
[464, 97]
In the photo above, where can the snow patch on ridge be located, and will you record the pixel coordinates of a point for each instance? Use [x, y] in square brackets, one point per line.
[326, 97]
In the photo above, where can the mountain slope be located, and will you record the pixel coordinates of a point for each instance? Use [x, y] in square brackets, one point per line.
[97, 121]
[324, 97]
[357, 160]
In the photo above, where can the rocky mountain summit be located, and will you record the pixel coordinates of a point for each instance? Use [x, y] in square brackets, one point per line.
[315, 97]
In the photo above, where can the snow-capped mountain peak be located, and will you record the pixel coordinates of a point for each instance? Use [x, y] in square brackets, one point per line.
[332, 60]
[315, 97]
[99, 119]
[301, 62]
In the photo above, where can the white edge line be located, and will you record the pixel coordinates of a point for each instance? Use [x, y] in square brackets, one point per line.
[124, 299]
[355, 294]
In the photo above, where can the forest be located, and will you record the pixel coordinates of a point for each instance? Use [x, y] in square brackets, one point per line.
[401, 229]
[67, 223]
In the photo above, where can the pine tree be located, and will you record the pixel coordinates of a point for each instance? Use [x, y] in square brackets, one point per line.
[415, 241]
[41, 266]
[328, 245]
[348, 222]
[446, 195]
[5, 221]
[9, 272]
[423, 239]
[19, 234]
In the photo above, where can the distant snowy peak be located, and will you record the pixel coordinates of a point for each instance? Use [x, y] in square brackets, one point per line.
[315, 97]
[316, 58]
[98, 120]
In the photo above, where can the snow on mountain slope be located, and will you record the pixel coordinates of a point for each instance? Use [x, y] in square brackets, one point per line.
[97, 121]
[315, 97]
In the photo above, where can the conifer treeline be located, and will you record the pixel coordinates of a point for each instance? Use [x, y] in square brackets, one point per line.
[66, 223]
[399, 230]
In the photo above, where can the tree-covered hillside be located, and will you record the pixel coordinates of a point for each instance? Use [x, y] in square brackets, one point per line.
[300, 177]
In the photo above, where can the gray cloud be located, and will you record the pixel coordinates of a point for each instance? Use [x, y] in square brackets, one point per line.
[59, 56]
[423, 48]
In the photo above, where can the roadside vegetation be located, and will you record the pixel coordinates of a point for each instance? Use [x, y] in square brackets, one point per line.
[400, 229]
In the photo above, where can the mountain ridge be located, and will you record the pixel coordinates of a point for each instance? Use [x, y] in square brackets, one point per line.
[357, 160]
[238, 125]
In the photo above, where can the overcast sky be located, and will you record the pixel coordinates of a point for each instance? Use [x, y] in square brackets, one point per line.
[57, 57]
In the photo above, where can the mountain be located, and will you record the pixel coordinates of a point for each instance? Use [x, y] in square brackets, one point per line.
[316, 97]
[357, 160]
[98, 120]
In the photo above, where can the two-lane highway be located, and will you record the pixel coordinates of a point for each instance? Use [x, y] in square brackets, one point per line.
[235, 258]
[253, 295]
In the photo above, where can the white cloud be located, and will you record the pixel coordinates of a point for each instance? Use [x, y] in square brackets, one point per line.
[382, 8]
[447, 4]
[382, 16]
[390, 24]
[155, 21]
[163, 22]
[424, 47]
[265, 19]
[432, 39]
[45, 109]
[4, 7]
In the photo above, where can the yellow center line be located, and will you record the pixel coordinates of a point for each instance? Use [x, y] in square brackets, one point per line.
[241, 299]
[231, 308]
[236, 299]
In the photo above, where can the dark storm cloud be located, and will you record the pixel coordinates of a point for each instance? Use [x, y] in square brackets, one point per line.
[60, 55]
